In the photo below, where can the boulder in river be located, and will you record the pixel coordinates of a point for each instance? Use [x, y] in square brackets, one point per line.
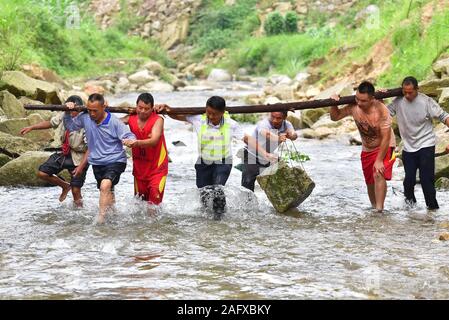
[10, 107]
[4, 159]
[285, 186]
[442, 183]
[15, 146]
[23, 170]
[13, 127]
[19, 84]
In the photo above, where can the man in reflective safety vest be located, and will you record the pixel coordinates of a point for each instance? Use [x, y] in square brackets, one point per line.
[215, 130]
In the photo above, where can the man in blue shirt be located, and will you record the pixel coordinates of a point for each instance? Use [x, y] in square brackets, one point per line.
[104, 133]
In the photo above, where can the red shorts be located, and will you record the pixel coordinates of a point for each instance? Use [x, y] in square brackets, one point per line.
[368, 159]
[151, 190]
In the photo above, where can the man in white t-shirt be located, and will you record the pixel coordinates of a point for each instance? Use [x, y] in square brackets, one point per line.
[263, 140]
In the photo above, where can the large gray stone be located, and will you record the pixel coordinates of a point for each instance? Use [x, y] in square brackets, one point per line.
[10, 106]
[433, 87]
[157, 86]
[15, 146]
[154, 67]
[441, 67]
[219, 75]
[442, 184]
[23, 170]
[444, 99]
[286, 187]
[309, 117]
[4, 159]
[13, 127]
[141, 77]
[19, 84]
[442, 162]
[45, 114]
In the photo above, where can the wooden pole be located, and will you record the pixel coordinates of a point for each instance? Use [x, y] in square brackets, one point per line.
[290, 106]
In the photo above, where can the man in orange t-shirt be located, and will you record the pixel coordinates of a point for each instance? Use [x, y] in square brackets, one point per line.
[378, 142]
[149, 151]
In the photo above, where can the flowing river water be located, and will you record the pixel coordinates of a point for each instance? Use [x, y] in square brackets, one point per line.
[333, 246]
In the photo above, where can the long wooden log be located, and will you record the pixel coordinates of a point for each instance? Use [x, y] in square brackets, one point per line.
[302, 105]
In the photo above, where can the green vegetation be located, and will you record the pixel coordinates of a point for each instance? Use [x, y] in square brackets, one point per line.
[337, 46]
[291, 22]
[36, 31]
[217, 26]
[274, 24]
[33, 32]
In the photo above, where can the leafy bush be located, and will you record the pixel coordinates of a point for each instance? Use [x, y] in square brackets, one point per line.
[274, 24]
[291, 22]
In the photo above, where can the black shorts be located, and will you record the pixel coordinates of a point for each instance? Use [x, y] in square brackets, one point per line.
[111, 171]
[58, 162]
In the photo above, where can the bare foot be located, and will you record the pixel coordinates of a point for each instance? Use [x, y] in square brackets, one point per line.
[64, 193]
[78, 203]
[100, 219]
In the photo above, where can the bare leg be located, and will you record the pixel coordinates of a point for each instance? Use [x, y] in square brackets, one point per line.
[77, 198]
[55, 180]
[106, 199]
[371, 194]
[381, 191]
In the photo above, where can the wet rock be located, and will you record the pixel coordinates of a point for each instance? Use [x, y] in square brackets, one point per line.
[37, 72]
[444, 99]
[122, 85]
[199, 71]
[272, 100]
[280, 79]
[444, 224]
[154, 67]
[23, 170]
[308, 133]
[442, 183]
[309, 117]
[157, 86]
[301, 78]
[175, 32]
[219, 75]
[443, 236]
[141, 77]
[323, 132]
[433, 87]
[286, 187]
[178, 83]
[442, 162]
[311, 92]
[91, 89]
[283, 92]
[295, 119]
[46, 115]
[13, 127]
[4, 159]
[15, 146]
[196, 88]
[441, 67]
[19, 84]
[10, 107]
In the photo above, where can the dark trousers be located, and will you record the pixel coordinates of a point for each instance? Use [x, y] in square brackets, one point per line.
[424, 160]
[249, 174]
[211, 174]
[210, 178]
